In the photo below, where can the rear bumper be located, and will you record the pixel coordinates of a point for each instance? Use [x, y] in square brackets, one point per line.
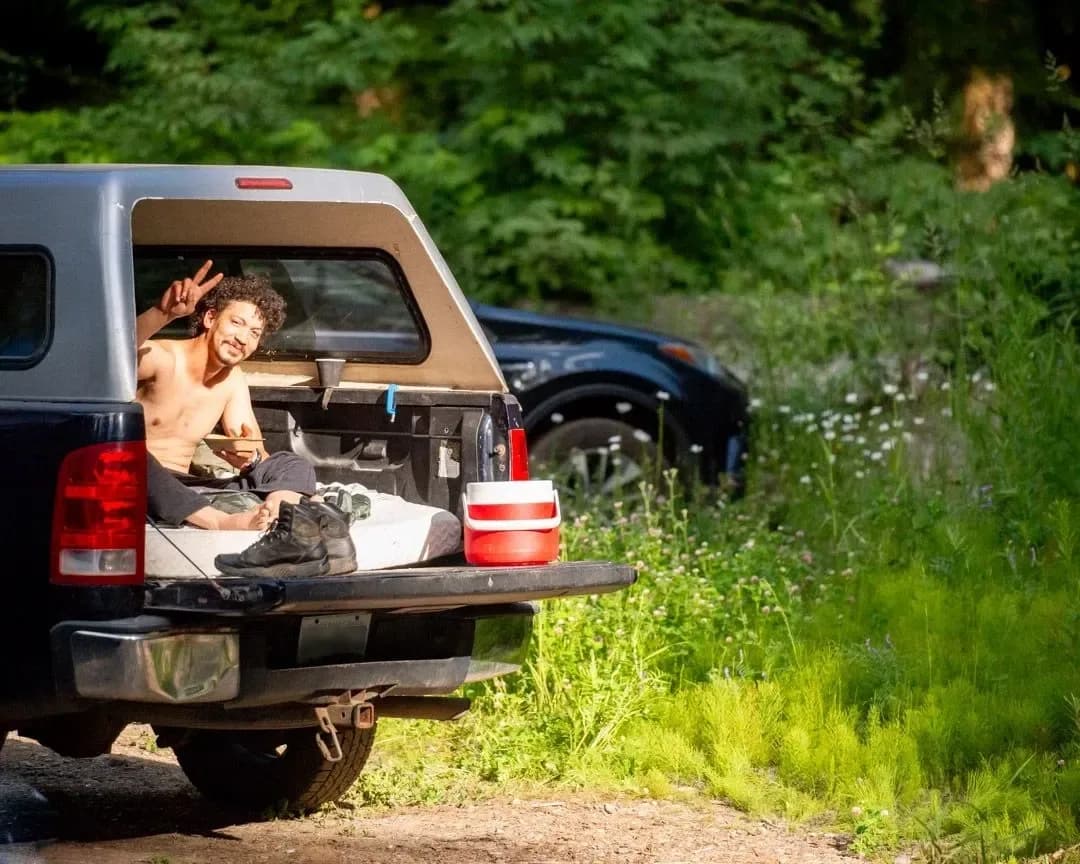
[152, 661]
[146, 659]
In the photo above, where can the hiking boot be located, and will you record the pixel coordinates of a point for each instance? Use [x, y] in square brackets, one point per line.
[334, 529]
[292, 547]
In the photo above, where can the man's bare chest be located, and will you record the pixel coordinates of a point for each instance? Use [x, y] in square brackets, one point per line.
[187, 411]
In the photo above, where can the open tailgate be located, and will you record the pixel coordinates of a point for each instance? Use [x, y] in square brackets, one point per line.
[405, 588]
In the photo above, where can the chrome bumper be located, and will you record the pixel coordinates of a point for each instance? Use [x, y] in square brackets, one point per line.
[148, 659]
[175, 668]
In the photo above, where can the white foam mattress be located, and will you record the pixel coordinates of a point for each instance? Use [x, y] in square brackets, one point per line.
[396, 533]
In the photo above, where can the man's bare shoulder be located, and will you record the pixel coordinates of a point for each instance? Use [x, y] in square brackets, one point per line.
[157, 357]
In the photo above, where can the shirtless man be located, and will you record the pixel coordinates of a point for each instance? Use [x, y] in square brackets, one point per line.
[186, 386]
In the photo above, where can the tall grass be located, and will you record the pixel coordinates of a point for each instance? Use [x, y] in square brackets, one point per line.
[883, 634]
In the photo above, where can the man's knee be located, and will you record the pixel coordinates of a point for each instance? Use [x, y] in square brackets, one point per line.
[287, 471]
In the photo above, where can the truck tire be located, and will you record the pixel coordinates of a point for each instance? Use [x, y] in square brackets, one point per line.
[277, 768]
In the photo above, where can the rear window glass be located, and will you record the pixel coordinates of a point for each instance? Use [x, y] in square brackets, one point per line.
[340, 303]
[25, 304]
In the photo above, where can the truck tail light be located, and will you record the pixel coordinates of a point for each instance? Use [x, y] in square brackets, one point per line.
[519, 455]
[99, 516]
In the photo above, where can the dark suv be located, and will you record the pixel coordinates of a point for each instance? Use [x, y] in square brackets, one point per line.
[268, 690]
[601, 400]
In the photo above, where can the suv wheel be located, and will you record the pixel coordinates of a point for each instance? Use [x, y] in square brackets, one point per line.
[272, 768]
[596, 455]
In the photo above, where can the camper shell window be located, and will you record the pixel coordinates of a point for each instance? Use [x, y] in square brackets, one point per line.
[348, 303]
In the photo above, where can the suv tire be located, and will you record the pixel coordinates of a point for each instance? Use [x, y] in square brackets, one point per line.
[579, 452]
[251, 770]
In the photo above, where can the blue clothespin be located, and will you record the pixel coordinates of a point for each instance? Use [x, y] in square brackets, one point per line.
[391, 405]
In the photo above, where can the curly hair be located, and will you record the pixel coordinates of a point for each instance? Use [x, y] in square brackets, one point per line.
[252, 288]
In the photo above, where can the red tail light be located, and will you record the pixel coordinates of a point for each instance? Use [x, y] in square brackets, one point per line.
[99, 516]
[519, 455]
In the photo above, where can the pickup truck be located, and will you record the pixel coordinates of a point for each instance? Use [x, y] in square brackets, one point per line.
[267, 689]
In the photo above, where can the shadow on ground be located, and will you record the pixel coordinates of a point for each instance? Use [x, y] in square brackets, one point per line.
[48, 797]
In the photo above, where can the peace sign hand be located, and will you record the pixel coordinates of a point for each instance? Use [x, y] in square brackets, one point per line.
[180, 298]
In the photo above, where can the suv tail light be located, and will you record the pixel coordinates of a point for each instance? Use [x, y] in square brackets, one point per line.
[519, 455]
[99, 516]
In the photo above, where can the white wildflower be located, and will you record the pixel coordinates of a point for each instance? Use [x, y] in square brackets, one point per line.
[805, 479]
[851, 398]
[663, 395]
[889, 389]
[918, 421]
[875, 411]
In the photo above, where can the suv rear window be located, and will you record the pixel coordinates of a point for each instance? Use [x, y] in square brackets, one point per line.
[340, 303]
[25, 304]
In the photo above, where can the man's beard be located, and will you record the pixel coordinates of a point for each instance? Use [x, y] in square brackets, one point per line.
[228, 356]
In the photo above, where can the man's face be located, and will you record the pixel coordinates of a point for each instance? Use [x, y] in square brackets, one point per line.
[234, 332]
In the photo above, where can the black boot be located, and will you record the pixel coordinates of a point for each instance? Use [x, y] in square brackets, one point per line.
[292, 547]
[334, 528]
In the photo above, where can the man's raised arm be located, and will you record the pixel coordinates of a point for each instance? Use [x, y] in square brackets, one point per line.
[178, 301]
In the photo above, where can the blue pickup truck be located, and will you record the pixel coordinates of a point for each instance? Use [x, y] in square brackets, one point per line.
[267, 689]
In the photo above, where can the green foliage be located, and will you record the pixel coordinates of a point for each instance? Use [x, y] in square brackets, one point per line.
[556, 155]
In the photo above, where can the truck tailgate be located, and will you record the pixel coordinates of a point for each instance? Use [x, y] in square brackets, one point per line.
[405, 588]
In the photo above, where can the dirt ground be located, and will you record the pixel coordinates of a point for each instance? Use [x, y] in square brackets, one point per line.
[136, 806]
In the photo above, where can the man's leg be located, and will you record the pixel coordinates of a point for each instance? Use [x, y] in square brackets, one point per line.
[170, 502]
[282, 476]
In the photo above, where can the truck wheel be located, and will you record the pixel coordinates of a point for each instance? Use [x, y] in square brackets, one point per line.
[276, 768]
[580, 453]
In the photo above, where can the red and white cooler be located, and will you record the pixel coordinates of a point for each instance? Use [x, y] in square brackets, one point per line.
[511, 522]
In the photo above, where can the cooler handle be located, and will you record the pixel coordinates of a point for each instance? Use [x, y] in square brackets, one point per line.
[511, 524]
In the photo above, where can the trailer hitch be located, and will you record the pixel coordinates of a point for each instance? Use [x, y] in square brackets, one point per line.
[348, 715]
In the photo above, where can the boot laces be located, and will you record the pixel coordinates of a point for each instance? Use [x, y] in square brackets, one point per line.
[279, 529]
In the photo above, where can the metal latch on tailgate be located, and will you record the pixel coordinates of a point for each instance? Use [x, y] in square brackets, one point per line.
[352, 715]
